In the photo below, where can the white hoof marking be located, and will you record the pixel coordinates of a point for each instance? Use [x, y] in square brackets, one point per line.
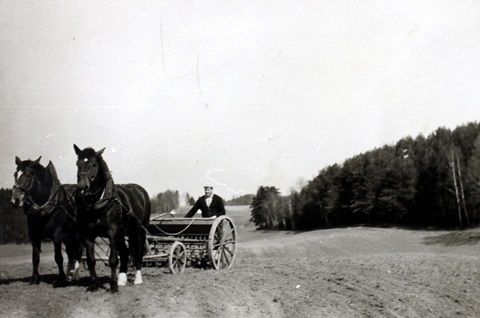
[122, 279]
[138, 278]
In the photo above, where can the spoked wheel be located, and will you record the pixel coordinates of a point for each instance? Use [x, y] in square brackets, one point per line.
[222, 243]
[177, 258]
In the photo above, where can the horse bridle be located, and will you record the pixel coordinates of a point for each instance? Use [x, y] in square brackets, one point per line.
[87, 190]
[105, 198]
[86, 174]
[22, 187]
[27, 199]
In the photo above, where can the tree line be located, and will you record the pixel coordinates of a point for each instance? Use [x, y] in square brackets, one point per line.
[245, 199]
[165, 201]
[13, 222]
[422, 181]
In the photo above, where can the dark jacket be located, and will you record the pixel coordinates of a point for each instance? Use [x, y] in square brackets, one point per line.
[216, 208]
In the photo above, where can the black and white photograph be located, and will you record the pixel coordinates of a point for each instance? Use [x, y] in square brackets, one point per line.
[182, 158]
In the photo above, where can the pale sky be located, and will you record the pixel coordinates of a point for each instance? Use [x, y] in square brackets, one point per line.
[237, 94]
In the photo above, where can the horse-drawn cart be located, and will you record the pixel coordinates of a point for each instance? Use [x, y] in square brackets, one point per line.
[197, 241]
[176, 242]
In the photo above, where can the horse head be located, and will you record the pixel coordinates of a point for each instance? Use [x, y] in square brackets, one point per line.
[28, 175]
[91, 170]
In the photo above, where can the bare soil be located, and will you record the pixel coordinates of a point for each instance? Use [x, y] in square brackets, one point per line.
[346, 272]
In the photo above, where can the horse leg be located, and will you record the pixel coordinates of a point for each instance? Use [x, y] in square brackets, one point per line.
[139, 249]
[74, 256]
[89, 247]
[36, 247]
[113, 263]
[61, 281]
[78, 259]
[123, 252]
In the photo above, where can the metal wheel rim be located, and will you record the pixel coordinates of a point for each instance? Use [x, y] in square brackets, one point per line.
[222, 243]
[177, 258]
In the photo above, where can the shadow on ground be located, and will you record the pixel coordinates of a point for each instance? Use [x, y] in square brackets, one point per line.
[50, 279]
[453, 238]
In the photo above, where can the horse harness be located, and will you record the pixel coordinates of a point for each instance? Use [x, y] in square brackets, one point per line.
[48, 207]
[108, 199]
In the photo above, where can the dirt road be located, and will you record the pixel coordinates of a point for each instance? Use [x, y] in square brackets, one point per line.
[348, 272]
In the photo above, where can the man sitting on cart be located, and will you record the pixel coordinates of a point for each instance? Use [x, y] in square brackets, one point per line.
[210, 204]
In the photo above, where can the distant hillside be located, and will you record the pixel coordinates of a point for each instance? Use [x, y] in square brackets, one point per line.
[245, 199]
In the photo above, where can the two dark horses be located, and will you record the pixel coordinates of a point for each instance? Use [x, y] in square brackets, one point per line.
[98, 208]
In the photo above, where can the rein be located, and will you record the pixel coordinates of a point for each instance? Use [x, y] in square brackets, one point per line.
[174, 234]
[112, 198]
[52, 204]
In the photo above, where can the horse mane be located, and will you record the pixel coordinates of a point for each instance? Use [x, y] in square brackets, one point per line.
[52, 173]
[104, 169]
[109, 189]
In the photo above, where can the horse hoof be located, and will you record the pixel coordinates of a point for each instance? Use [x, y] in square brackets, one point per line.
[35, 280]
[122, 279]
[73, 276]
[92, 288]
[138, 278]
[76, 274]
[113, 289]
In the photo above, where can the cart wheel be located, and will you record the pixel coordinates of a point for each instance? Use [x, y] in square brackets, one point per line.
[222, 243]
[177, 258]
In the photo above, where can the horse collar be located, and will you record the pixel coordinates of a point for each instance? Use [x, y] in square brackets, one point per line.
[107, 196]
[46, 208]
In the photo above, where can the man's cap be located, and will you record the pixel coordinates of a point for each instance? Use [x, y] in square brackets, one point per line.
[208, 187]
